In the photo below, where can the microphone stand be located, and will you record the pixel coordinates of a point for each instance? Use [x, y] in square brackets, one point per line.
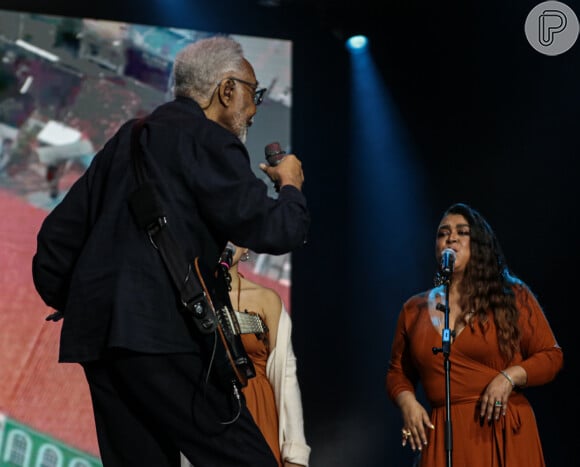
[446, 349]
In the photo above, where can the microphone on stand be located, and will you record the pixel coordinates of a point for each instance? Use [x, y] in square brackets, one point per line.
[447, 262]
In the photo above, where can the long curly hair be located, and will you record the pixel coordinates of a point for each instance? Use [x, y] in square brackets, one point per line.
[488, 284]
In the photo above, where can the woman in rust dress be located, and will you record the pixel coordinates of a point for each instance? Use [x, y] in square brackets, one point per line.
[501, 342]
[273, 395]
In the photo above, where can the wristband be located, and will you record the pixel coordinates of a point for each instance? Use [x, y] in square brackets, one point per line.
[508, 377]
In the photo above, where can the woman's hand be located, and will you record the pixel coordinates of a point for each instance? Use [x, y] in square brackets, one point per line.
[415, 421]
[494, 399]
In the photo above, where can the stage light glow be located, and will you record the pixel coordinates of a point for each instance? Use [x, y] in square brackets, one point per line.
[357, 43]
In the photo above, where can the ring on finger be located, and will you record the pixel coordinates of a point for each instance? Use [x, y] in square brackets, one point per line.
[406, 433]
[498, 403]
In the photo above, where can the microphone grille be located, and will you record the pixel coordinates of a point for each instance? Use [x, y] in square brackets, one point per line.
[450, 252]
[274, 153]
[273, 149]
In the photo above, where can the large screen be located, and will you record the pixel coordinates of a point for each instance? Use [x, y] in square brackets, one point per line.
[66, 85]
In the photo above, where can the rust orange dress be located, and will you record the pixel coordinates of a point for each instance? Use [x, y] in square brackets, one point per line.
[260, 395]
[511, 441]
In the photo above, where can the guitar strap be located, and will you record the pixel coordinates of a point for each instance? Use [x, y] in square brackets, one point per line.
[233, 366]
[146, 206]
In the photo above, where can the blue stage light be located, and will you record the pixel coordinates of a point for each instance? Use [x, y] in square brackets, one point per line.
[356, 43]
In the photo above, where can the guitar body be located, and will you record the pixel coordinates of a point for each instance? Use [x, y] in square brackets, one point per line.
[232, 363]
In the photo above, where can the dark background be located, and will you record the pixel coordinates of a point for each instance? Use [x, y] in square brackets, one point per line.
[493, 123]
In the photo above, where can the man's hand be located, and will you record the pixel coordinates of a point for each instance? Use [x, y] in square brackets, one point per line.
[287, 172]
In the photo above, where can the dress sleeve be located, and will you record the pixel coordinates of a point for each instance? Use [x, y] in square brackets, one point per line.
[401, 374]
[542, 356]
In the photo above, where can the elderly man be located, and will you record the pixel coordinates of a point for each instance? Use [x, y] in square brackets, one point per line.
[149, 369]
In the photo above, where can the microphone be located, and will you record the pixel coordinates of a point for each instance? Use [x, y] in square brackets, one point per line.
[227, 256]
[274, 154]
[447, 262]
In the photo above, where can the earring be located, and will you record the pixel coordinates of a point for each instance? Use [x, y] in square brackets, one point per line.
[245, 256]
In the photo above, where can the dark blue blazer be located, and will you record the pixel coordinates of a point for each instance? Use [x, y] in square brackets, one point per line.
[93, 263]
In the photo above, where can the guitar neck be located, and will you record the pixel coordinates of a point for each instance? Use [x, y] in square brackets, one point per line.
[250, 323]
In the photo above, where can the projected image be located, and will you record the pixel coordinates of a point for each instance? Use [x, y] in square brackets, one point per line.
[66, 85]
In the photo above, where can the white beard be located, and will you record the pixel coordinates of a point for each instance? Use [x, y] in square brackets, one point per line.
[243, 134]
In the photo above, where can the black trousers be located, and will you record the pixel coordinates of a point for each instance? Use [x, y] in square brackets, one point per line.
[148, 408]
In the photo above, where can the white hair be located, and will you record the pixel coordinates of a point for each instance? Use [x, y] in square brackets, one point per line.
[200, 66]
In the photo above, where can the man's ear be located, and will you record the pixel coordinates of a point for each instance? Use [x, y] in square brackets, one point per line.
[226, 91]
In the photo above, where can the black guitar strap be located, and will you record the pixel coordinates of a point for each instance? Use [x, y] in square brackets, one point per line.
[147, 208]
[233, 366]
